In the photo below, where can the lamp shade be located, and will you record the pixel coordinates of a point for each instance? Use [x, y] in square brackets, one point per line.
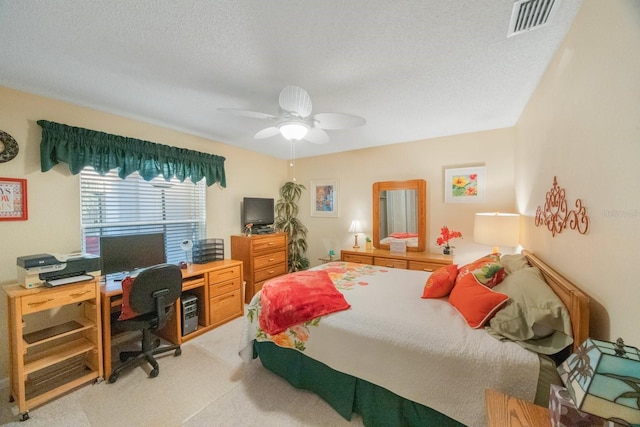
[355, 227]
[497, 229]
[293, 130]
[603, 379]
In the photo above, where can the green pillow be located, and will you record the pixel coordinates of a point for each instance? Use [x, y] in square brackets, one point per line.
[534, 317]
[513, 263]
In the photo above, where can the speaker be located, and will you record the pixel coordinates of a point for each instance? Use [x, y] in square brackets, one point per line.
[189, 313]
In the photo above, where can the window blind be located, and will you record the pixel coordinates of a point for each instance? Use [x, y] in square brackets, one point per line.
[111, 206]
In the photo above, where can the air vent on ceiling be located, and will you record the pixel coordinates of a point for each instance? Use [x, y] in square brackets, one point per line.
[530, 14]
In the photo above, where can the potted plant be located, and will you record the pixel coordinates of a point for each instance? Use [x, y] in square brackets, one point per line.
[287, 221]
[447, 235]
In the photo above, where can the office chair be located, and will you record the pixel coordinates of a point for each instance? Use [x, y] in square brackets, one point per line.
[151, 297]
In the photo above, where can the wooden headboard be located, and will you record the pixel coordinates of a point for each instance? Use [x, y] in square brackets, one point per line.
[577, 302]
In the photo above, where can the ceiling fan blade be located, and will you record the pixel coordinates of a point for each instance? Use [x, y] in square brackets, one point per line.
[267, 133]
[337, 120]
[316, 136]
[295, 100]
[251, 114]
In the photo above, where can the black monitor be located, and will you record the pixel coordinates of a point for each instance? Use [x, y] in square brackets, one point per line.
[257, 211]
[126, 254]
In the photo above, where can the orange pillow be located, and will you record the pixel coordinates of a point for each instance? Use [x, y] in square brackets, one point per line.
[476, 303]
[440, 282]
[126, 312]
[487, 270]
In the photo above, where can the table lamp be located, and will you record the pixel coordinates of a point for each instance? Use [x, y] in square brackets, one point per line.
[497, 229]
[603, 379]
[355, 228]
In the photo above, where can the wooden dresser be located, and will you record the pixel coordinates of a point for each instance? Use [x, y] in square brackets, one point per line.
[264, 256]
[424, 261]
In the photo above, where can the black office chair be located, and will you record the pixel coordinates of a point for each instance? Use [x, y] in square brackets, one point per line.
[152, 297]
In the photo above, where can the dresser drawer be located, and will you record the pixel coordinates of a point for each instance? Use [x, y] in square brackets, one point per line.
[224, 274]
[269, 272]
[390, 262]
[216, 289]
[360, 259]
[271, 242]
[424, 266]
[264, 261]
[225, 307]
[66, 294]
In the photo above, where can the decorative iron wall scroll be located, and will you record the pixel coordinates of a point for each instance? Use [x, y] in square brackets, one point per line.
[556, 216]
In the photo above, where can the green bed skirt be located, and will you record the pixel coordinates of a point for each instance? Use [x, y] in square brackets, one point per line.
[345, 393]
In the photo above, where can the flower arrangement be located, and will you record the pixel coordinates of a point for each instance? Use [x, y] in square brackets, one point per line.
[247, 229]
[445, 236]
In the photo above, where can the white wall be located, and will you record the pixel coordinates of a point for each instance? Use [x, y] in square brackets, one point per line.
[54, 199]
[583, 126]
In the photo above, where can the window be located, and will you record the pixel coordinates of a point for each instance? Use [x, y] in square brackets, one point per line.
[111, 206]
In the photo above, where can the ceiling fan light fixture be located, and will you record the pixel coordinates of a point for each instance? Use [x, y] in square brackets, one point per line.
[293, 130]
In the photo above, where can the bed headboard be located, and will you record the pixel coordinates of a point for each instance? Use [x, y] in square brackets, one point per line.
[577, 302]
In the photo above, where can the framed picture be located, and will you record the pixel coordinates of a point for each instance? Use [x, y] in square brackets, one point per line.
[464, 185]
[324, 198]
[13, 199]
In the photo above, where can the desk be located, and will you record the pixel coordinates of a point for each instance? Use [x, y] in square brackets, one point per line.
[218, 287]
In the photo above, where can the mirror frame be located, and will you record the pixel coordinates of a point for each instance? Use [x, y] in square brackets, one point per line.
[420, 185]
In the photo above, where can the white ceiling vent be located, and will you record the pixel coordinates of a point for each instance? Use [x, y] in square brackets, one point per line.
[530, 14]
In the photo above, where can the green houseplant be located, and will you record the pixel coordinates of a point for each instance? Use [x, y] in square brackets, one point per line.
[287, 221]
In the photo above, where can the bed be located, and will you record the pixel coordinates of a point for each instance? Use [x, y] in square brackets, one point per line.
[399, 359]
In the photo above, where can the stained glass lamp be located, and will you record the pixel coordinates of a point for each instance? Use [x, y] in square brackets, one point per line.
[603, 379]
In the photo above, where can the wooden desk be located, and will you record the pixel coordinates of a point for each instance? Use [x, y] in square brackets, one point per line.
[218, 287]
[506, 411]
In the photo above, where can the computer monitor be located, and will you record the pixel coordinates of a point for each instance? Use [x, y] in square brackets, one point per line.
[126, 254]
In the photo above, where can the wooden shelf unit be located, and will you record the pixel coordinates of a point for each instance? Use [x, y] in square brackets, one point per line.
[424, 261]
[264, 256]
[47, 365]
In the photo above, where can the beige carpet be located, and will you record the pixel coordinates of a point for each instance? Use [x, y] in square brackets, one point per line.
[206, 386]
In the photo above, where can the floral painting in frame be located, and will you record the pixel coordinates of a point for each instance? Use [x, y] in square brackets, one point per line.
[464, 185]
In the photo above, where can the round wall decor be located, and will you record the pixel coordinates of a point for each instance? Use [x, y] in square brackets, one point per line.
[8, 147]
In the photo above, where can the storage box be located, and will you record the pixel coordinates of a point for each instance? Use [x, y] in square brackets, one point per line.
[565, 414]
[207, 250]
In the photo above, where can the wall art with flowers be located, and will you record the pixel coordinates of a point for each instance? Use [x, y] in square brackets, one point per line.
[464, 185]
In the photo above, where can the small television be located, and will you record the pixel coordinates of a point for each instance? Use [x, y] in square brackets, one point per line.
[126, 254]
[257, 211]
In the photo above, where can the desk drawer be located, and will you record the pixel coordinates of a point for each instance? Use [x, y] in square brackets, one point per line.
[225, 307]
[268, 273]
[360, 259]
[390, 262]
[224, 274]
[224, 287]
[66, 294]
[264, 261]
[271, 242]
[424, 266]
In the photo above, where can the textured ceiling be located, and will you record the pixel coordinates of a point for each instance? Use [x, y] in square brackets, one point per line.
[413, 69]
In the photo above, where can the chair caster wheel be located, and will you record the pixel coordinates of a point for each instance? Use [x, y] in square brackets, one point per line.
[154, 373]
[178, 352]
[156, 343]
[24, 416]
[11, 399]
[123, 357]
[113, 378]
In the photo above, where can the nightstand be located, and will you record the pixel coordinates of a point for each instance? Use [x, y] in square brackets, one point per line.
[504, 410]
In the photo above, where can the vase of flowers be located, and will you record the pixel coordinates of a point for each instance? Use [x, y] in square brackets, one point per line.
[446, 235]
[247, 229]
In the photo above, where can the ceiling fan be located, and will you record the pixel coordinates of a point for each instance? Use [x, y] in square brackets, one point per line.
[295, 122]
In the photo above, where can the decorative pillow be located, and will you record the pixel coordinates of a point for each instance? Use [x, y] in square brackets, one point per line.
[127, 312]
[487, 270]
[476, 302]
[440, 282]
[535, 317]
[513, 263]
[297, 297]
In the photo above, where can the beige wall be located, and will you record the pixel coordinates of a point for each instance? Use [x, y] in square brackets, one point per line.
[53, 197]
[583, 126]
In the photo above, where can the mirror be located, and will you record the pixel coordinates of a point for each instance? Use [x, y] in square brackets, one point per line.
[400, 213]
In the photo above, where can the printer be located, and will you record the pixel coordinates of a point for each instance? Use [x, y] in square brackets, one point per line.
[52, 269]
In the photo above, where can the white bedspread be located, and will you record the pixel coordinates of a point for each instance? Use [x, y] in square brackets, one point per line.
[420, 349]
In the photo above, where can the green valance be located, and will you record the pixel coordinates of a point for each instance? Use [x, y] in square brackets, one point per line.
[80, 147]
